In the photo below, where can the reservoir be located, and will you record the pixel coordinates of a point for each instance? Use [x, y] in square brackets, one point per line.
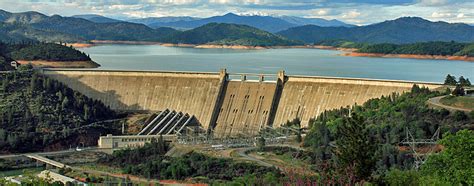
[310, 62]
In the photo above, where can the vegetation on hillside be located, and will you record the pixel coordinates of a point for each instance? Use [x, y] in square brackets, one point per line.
[228, 34]
[38, 113]
[17, 32]
[38, 51]
[428, 48]
[149, 161]
[46, 51]
[366, 139]
[39, 27]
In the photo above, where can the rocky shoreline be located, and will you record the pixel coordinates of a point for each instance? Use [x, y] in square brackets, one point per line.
[411, 56]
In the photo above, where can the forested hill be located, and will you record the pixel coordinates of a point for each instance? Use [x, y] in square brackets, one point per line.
[16, 32]
[38, 51]
[428, 48]
[38, 113]
[71, 27]
[228, 34]
[402, 30]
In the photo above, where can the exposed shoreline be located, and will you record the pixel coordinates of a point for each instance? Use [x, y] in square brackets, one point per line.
[347, 51]
[411, 56]
[60, 64]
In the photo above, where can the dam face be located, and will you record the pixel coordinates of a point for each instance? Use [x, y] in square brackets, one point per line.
[227, 107]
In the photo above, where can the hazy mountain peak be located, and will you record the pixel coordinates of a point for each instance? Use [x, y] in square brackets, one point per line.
[97, 18]
[230, 14]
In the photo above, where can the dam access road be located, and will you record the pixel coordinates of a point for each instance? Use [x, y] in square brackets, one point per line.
[228, 104]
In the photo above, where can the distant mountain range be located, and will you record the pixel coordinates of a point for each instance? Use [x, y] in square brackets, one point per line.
[241, 30]
[267, 23]
[58, 28]
[402, 30]
[97, 18]
[169, 19]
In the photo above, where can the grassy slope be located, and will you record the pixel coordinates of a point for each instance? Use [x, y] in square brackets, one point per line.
[459, 101]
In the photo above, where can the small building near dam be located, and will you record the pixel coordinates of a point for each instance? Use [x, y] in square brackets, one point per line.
[116, 142]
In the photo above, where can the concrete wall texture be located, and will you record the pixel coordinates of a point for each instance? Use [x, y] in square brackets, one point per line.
[193, 93]
[245, 108]
[229, 108]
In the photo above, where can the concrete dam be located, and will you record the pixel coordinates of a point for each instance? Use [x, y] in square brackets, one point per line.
[228, 104]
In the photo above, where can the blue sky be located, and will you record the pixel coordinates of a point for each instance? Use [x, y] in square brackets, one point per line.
[359, 12]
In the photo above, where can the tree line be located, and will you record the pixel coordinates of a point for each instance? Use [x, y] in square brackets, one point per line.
[424, 48]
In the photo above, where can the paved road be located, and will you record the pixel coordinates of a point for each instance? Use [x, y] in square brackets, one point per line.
[436, 102]
[242, 152]
[47, 160]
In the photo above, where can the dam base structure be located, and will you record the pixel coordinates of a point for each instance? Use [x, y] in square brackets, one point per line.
[224, 104]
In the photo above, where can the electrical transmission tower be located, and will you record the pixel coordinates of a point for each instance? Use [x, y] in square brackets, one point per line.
[421, 148]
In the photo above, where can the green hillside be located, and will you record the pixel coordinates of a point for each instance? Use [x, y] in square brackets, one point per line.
[36, 26]
[228, 34]
[41, 51]
[16, 32]
[428, 48]
[38, 113]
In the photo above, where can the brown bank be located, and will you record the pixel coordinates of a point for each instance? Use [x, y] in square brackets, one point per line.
[60, 64]
[413, 56]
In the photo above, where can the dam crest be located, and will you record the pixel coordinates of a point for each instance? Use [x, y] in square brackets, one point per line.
[228, 104]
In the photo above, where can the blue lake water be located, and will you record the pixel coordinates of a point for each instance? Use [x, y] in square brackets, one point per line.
[312, 62]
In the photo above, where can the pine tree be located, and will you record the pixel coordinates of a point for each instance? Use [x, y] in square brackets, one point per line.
[458, 91]
[355, 148]
[450, 80]
[464, 82]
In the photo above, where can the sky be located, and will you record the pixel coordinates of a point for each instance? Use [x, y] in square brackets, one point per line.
[359, 12]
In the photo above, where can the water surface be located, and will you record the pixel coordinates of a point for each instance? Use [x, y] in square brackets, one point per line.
[313, 62]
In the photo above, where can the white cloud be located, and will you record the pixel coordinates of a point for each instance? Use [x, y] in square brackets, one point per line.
[441, 15]
[433, 2]
[351, 14]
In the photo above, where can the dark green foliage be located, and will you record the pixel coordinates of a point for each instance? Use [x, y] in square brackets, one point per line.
[428, 48]
[47, 51]
[466, 51]
[261, 143]
[386, 120]
[464, 82]
[355, 148]
[458, 91]
[228, 34]
[41, 51]
[149, 161]
[398, 177]
[38, 113]
[455, 163]
[450, 80]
